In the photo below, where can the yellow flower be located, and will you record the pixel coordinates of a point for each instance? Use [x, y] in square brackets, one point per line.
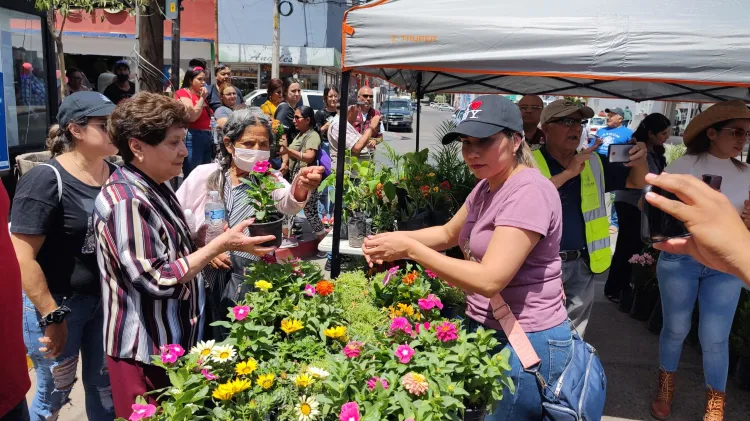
[338, 332]
[432, 174]
[263, 285]
[224, 392]
[303, 380]
[435, 189]
[265, 381]
[239, 385]
[291, 326]
[406, 309]
[246, 367]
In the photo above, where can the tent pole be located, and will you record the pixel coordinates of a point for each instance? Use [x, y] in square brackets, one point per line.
[419, 105]
[338, 207]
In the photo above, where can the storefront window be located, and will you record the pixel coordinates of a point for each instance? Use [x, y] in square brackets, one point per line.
[24, 80]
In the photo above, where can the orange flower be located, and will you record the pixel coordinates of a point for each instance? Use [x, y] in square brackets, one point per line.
[409, 279]
[324, 288]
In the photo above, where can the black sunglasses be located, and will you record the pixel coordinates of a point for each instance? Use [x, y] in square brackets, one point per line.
[367, 96]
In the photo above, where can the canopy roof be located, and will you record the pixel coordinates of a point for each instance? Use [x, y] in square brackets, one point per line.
[697, 50]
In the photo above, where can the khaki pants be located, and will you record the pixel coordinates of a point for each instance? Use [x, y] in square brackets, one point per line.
[579, 285]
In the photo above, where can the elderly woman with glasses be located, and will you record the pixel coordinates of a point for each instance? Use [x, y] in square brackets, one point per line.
[247, 136]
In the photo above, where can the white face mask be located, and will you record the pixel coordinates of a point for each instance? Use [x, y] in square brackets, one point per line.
[245, 159]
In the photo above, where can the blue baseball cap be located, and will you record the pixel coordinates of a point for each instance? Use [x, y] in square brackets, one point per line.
[487, 115]
[84, 104]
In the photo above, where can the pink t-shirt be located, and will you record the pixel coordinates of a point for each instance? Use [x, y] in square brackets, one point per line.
[528, 201]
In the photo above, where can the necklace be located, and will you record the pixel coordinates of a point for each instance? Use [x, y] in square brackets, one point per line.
[91, 179]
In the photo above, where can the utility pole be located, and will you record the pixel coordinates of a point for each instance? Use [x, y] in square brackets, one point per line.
[151, 41]
[176, 48]
[276, 40]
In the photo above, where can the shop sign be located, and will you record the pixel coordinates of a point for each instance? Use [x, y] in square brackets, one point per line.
[291, 56]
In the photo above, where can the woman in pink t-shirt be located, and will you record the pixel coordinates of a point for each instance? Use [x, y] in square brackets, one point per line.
[198, 141]
[509, 228]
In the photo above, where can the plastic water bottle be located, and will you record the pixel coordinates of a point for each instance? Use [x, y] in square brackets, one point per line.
[214, 216]
[214, 130]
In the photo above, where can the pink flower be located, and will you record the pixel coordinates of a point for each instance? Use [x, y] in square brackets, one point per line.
[352, 349]
[391, 272]
[373, 383]
[349, 412]
[401, 324]
[176, 349]
[430, 302]
[446, 332]
[404, 353]
[261, 167]
[141, 411]
[208, 375]
[425, 326]
[240, 312]
[430, 274]
[309, 290]
[269, 258]
[168, 357]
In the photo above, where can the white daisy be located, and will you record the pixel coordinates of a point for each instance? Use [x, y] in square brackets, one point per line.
[307, 409]
[318, 373]
[222, 353]
[203, 349]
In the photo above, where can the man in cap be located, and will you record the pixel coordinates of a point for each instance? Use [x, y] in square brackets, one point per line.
[121, 88]
[582, 179]
[531, 107]
[33, 89]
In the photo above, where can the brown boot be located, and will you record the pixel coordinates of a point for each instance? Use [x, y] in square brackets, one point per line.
[715, 402]
[661, 407]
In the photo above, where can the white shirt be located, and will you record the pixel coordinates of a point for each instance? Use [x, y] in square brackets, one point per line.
[735, 184]
[352, 136]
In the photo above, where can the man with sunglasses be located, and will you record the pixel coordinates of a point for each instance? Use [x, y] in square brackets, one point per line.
[582, 179]
[366, 114]
[531, 107]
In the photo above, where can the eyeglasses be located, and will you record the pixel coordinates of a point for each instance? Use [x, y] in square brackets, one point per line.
[530, 107]
[738, 133]
[366, 96]
[298, 117]
[569, 122]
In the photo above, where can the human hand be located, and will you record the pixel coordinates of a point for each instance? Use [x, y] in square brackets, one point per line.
[324, 128]
[375, 121]
[283, 149]
[578, 163]
[54, 339]
[234, 239]
[638, 154]
[309, 178]
[221, 261]
[386, 247]
[284, 168]
[719, 239]
[204, 92]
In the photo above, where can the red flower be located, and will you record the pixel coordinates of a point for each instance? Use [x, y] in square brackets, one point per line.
[425, 190]
[445, 185]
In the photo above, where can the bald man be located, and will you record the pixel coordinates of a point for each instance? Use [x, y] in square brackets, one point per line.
[531, 111]
[365, 115]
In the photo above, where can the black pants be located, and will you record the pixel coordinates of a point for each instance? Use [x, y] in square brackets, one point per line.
[628, 243]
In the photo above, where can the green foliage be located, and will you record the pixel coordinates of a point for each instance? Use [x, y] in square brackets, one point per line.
[260, 194]
[451, 167]
[354, 295]
[674, 151]
[64, 7]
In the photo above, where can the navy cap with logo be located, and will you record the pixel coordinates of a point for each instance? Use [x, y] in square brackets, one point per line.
[84, 104]
[487, 115]
[617, 111]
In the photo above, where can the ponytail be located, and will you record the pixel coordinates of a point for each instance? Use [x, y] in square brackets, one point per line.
[523, 154]
[60, 140]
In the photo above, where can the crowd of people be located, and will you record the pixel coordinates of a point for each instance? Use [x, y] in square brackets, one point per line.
[107, 264]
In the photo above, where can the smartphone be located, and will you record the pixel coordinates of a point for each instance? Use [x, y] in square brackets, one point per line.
[714, 181]
[620, 152]
[657, 225]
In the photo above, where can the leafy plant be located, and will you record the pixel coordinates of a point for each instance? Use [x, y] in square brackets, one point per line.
[674, 151]
[260, 195]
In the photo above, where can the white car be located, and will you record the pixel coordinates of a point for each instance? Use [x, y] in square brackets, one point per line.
[595, 123]
[444, 107]
[433, 104]
[313, 99]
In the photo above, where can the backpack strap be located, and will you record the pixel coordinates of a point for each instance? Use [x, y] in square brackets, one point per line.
[59, 181]
[513, 330]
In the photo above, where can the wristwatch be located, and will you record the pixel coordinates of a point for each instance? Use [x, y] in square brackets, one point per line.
[55, 317]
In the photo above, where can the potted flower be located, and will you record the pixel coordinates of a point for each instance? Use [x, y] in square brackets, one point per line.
[643, 284]
[268, 220]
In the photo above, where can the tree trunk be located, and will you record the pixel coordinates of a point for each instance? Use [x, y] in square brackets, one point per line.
[151, 39]
[57, 37]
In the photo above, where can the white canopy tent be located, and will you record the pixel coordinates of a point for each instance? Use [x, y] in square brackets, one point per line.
[665, 50]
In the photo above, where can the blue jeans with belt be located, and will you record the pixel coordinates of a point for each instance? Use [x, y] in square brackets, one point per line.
[682, 280]
[554, 347]
[199, 145]
[55, 377]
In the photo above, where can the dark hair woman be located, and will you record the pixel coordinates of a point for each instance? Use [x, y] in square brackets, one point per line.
[274, 97]
[323, 120]
[55, 242]
[292, 94]
[713, 139]
[146, 252]
[228, 104]
[193, 96]
[302, 153]
[509, 229]
[654, 132]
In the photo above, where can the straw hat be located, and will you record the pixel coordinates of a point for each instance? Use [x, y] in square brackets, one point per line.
[722, 111]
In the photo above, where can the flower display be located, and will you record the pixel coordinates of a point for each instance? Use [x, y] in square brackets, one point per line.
[303, 380]
[374, 381]
[415, 383]
[409, 278]
[400, 324]
[307, 408]
[269, 258]
[645, 259]
[420, 326]
[403, 310]
[245, 368]
[425, 190]
[141, 411]
[223, 392]
[309, 290]
[430, 274]
[352, 349]
[445, 185]
[404, 353]
[324, 288]
[223, 353]
[240, 312]
[239, 385]
[203, 348]
[208, 375]
[430, 302]
[338, 332]
[263, 285]
[168, 355]
[265, 381]
[349, 412]
[317, 372]
[391, 272]
[446, 332]
[291, 326]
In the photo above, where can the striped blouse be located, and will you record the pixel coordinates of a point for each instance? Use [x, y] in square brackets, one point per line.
[142, 248]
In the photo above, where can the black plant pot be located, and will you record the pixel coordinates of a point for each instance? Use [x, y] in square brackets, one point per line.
[656, 320]
[626, 299]
[357, 230]
[438, 218]
[259, 229]
[451, 312]
[474, 414]
[419, 221]
[742, 373]
[643, 303]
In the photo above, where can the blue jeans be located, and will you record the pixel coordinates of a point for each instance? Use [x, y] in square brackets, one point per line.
[199, 144]
[613, 220]
[55, 377]
[554, 347]
[682, 280]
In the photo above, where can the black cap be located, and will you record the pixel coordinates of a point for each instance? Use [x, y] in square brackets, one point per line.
[618, 111]
[84, 104]
[122, 63]
[486, 116]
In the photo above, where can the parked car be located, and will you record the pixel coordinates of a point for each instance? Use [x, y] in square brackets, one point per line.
[594, 124]
[459, 115]
[433, 104]
[444, 107]
[310, 98]
[397, 114]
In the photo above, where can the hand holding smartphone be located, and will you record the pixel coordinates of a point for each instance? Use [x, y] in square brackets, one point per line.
[620, 152]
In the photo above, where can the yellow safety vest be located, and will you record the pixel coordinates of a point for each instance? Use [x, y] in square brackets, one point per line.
[594, 209]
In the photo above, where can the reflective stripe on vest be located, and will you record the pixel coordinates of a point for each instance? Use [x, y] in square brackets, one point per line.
[594, 209]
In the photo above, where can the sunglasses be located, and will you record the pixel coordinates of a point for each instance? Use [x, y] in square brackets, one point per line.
[367, 96]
